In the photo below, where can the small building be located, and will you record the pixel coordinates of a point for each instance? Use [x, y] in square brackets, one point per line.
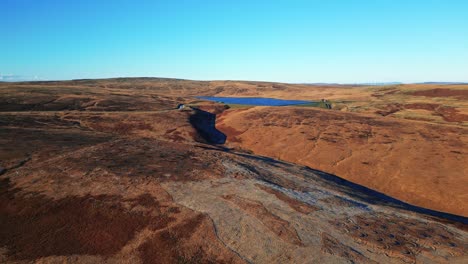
[181, 106]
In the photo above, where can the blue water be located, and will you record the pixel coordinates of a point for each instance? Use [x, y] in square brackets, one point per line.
[254, 101]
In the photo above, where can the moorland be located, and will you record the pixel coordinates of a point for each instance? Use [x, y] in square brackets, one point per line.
[112, 171]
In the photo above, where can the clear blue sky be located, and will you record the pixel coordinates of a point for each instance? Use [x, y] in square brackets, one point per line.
[290, 41]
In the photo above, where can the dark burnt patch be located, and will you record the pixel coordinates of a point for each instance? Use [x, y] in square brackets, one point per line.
[451, 114]
[144, 158]
[191, 241]
[36, 121]
[389, 109]
[145, 200]
[122, 128]
[17, 143]
[165, 247]
[35, 226]
[422, 106]
[442, 92]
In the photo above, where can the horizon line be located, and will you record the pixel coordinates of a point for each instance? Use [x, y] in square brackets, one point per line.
[377, 83]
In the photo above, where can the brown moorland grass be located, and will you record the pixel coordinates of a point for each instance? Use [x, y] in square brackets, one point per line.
[95, 171]
[417, 162]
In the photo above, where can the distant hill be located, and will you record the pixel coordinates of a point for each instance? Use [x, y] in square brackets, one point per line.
[380, 83]
[451, 83]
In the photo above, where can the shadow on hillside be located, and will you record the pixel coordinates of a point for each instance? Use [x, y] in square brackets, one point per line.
[204, 122]
[354, 190]
[374, 197]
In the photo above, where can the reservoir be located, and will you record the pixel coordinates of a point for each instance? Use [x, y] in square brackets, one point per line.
[258, 101]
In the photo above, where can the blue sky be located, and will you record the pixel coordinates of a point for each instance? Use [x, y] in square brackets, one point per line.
[345, 41]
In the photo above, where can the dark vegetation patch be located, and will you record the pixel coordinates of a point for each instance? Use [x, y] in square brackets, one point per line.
[159, 160]
[389, 109]
[17, 144]
[442, 92]
[50, 97]
[37, 121]
[166, 246]
[451, 114]
[423, 106]
[122, 128]
[175, 135]
[34, 226]
[191, 241]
